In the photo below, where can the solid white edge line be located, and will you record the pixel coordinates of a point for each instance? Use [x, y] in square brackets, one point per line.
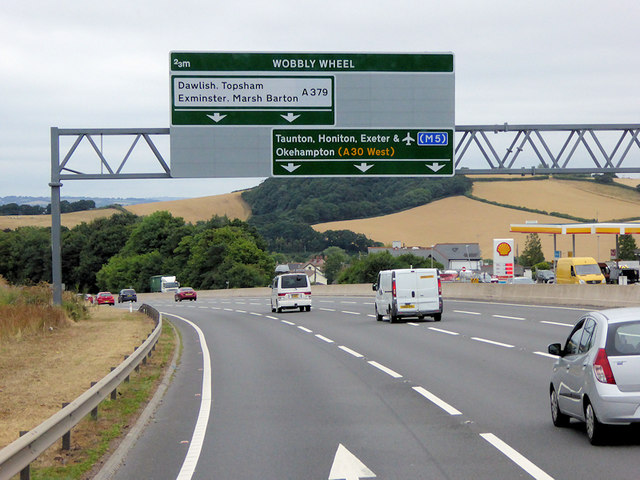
[197, 440]
[324, 339]
[484, 340]
[437, 401]
[516, 457]
[386, 370]
[448, 332]
[350, 352]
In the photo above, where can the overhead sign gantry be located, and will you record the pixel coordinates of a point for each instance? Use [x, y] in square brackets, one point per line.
[312, 114]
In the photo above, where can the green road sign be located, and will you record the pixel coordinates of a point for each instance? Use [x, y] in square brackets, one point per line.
[252, 100]
[362, 152]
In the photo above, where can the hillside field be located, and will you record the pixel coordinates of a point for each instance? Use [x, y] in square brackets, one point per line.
[451, 220]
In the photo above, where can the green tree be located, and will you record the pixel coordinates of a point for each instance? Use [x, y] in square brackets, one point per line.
[532, 253]
[335, 258]
[626, 247]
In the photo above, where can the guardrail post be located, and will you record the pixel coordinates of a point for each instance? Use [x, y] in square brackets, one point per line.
[25, 473]
[126, 380]
[66, 438]
[94, 412]
[114, 392]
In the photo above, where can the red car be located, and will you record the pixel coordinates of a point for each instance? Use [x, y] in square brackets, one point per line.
[105, 298]
[185, 293]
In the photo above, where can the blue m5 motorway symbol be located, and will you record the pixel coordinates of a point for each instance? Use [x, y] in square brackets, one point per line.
[433, 138]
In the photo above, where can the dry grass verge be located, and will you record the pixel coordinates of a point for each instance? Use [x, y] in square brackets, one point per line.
[40, 372]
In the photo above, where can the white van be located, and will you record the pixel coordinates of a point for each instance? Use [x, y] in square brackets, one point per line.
[409, 292]
[291, 290]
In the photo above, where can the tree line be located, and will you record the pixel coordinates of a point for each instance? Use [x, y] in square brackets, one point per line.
[65, 207]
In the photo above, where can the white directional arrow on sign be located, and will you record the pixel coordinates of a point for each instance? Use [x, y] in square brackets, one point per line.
[434, 166]
[346, 466]
[216, 117]
[363, 167]
[289, 117]
[290, 167]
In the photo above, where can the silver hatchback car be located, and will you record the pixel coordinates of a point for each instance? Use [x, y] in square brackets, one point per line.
[596, 378]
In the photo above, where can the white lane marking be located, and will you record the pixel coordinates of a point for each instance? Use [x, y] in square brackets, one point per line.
[255, 313]
[343, 301]
[557, 323]
[327, 309]
[324, 339]
[516, 457]
[287, 322]
[241, 311]
[448, 332]
[304, 329]
[197, 440]
[412, 324]
[386, 370]
[228, 309]
[509, 318]
[199, 307]
[544, 354]
[438, 401]
[499, 344]
[467, 313]
[350, 352]
[350, 313]
[371, 315]
[272, 317]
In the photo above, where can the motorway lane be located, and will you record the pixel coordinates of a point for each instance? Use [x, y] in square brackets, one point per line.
[499, 390]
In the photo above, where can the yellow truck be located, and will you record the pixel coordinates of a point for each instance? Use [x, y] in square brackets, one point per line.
[580, 270]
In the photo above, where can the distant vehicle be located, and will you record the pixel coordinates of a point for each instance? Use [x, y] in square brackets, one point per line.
[105, 298]
[408, 292]
[164, 283]
[545, 276]
[520, 281]
[185, 293]
[448, 276]
[89, 298]
[596, 378]
[580, 270]
[127, 295]
[291, 290]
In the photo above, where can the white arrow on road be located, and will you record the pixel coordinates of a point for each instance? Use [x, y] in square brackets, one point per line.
[216, 117]
[434, 166]
[290, 167]
[289, 117]
[346, 466]
[363, 167]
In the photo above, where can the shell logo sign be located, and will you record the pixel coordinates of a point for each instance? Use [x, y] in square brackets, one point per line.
[503, 258]
[503, 249]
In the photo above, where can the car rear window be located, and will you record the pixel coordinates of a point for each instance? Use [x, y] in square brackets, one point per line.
[293, 281]
[623, 339]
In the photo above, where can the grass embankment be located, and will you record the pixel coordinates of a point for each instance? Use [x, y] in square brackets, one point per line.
[50, 355]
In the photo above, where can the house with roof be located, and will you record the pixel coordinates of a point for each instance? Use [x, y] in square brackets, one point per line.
[453, 256]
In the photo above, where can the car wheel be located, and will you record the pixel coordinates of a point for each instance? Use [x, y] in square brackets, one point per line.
[378, 316]
[273, 309]
[595, 429]
[437, 317]
[308, 308]
[559, 418]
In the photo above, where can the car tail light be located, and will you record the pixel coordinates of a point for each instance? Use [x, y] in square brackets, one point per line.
[393, 288]
[306, 293]
[282, 294]
[439, 286]
[602, 368]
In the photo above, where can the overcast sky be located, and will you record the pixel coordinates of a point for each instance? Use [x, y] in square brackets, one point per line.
[85, 64]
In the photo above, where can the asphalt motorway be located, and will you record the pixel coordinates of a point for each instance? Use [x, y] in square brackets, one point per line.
[334, 394]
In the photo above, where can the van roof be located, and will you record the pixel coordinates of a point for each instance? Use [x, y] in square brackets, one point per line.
[579, 260]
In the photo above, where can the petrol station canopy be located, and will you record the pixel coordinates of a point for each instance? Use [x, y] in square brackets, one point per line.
[577, 228]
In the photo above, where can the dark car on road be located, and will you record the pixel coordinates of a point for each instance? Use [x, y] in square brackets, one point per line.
[127, 295]
[545, 276]
[185, 293]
